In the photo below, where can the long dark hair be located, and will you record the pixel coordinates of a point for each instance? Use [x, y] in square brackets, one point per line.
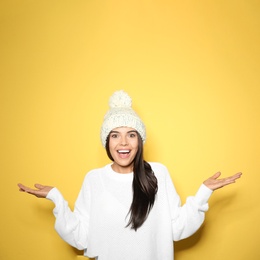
[144, 187]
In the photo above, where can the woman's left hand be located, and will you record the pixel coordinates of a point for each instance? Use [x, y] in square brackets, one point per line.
[214, 183]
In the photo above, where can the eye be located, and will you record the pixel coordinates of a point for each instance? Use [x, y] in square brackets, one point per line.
[113, 135]
[132, 135]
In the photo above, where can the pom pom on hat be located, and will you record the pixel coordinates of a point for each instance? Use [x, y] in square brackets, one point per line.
[120, 99]
[121, 114]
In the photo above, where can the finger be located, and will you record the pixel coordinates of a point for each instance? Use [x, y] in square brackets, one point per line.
[26, 189]
[231, 179]
[238, 175]
[216, 175]
[22, 187]
[39, 186]
[235, 176]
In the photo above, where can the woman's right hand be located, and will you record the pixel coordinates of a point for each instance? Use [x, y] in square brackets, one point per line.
[41, 192]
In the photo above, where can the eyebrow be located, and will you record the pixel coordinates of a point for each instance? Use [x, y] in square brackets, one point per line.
[117, 132]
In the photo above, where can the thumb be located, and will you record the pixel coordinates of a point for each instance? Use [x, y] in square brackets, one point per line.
[216, 175]
[38, 186]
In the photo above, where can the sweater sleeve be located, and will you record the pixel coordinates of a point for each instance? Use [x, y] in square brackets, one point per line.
[72, 226]
[187, 218]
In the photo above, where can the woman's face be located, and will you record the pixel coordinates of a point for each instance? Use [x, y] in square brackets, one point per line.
[123, 146]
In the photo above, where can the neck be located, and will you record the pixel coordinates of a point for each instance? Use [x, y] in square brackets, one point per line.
[122, 169]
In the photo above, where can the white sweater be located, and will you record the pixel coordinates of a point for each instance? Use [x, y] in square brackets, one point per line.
[98, 222]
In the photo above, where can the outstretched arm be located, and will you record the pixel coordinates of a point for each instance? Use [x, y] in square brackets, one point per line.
[188, 218]
[41, 191]
[214, 183]
[72, 226]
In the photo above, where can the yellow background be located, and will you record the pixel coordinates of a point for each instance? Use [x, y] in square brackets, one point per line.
[192, 70]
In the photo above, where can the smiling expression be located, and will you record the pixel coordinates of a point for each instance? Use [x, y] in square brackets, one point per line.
[123, 146]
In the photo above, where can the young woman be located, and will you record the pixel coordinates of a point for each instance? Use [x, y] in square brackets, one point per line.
[128, 209]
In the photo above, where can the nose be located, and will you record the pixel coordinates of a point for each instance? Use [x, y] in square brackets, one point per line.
[124, 141]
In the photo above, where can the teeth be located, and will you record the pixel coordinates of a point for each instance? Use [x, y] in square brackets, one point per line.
[124, 151]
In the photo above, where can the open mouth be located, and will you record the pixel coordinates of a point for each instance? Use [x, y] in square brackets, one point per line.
[123, 152]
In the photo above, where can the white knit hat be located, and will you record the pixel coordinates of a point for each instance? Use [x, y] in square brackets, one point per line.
[121, 114]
